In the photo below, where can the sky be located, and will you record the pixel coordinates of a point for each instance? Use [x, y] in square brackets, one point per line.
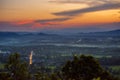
[56, 15]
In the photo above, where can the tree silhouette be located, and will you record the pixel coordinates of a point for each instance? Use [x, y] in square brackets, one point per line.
[5, 76]
[84, 68]
[17, 69]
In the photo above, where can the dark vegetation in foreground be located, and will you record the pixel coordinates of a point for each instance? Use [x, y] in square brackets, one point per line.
[80, 68]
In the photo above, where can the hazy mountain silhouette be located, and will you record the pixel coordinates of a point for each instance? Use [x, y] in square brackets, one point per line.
[9, 34]
[104, 33]
[20, 34]
[114, 31]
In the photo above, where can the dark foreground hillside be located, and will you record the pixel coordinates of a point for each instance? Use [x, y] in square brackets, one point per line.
[79, 68]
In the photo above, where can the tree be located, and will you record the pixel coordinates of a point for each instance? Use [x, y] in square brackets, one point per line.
[41, 76]
[5, 76]
[17, 69]
[54, 76]
[84, 68]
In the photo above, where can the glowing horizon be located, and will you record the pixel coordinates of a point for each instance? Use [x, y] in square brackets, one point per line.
[25, 15]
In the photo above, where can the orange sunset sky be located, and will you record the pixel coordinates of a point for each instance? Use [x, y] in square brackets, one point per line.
[36, 15]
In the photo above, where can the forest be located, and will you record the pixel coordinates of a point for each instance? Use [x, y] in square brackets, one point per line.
[79, 68]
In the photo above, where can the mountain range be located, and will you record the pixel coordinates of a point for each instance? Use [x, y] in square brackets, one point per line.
[18, 34]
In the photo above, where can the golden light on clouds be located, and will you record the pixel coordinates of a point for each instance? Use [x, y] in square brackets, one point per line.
[77, 11]
[96, 17]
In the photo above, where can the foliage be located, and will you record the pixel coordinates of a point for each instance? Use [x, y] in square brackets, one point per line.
[84, 68]
[80, 68]
[43, 76]
[17, 69]
[5, 76]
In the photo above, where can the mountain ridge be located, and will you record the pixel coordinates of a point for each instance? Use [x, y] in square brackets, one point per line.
[17, 34]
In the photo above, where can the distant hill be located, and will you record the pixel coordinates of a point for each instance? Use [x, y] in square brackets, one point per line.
[114, 31]
[47, 34]
[20, 34]
[104, 33]
[9, 34]
[109, 32]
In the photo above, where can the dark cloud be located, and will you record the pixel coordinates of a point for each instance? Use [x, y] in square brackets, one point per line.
[90, 28]
[89, 9]
[89, 2]
[7, 26]
[52, 20]
[10, 26]
[4, 25]
[22, 25]
[71, 29]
